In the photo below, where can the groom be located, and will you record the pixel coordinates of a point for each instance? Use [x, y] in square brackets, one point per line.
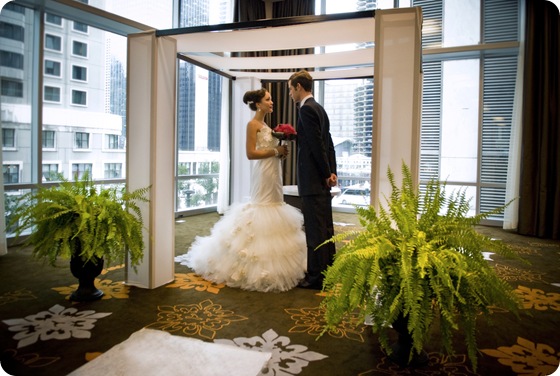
[316, 174]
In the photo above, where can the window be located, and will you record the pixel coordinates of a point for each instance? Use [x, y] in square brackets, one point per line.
[50, 172]
[11, 31]
[53, 42]
[185, 167]
[79, 48]
[53, 19]
[112, 141]
[82, 140]
[52, 68]
[79, 97]
[198, 157]
[11, 173]
[14, 7]
[8, 138]
[12, 88]
[48, 139]
[468, 97]
[79, 73]
[79, 169]
[51, 94]
[113, 170]
[81, 27]
[11, 60]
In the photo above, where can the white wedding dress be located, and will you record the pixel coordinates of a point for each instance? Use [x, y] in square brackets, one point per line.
[259, 245]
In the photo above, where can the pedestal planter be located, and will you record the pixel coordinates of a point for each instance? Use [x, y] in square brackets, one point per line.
[402, 348]
[86, 273]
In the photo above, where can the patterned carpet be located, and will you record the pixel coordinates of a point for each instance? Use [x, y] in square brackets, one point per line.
[43, 333]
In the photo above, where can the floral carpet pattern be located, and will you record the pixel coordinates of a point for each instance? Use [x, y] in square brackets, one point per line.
[44, 333]
[287, 358]
[56, 323]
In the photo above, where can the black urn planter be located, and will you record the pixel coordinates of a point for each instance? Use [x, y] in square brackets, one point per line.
[401, 349]
[86, 273]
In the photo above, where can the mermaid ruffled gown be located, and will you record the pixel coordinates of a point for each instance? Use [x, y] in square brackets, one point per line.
[259, 245]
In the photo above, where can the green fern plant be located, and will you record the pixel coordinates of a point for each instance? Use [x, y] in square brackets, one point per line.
[78, 218]
[421, 258]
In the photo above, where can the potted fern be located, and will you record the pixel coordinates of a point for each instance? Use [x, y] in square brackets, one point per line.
[85, 224]
[417, 262]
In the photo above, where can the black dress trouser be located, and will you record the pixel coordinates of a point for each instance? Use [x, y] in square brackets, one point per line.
[318, 223]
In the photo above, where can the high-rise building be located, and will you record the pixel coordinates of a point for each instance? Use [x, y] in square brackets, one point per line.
[78, 134]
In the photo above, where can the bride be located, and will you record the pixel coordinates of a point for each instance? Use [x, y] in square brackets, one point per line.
[259, 245]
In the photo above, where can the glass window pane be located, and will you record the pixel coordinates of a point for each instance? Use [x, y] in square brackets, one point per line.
[16, 37]
[51, 94]
[79, 73]
[52, 68]
[53, 19]
[157, 14]
[78, 26]
[461, 23]
[8, 138]
[92, 104]
[459, 129]
[48, 139]
[349, 104]
[79, 48]
[53, 42]
[11, 60]
[12, 31]
[200, 119]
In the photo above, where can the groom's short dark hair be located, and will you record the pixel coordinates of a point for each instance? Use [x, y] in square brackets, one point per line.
[303, 78]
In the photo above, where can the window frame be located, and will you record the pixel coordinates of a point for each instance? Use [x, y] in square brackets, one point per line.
[74, 43]
[13, 144]
[82, 70]
[59, 101]
[78, 144]
[76, 91]
[52, 36]
[44, 139]
[19, 88]
[46, 74]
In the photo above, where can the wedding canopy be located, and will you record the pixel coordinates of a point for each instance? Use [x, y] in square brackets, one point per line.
[342, 46]
[385, 45]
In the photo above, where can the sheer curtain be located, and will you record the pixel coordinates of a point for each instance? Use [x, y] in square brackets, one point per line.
[3, 241]
[511, 214]
[284, 109]
[539, 191]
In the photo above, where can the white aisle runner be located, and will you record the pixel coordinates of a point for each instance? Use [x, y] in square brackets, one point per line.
[154, 352]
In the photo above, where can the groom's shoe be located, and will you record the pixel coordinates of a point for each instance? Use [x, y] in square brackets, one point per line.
[305, 284]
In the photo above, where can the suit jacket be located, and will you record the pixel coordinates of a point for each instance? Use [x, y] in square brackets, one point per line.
[316, 158]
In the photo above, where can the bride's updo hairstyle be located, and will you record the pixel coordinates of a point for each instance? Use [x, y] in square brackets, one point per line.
[252, 97]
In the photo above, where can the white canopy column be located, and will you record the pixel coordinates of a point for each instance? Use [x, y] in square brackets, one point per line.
[151, 83]
[397, 97]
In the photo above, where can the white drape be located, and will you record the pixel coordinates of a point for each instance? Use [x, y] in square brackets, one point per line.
[511, 216]
[223, 185]
[241, 114]
[3, 242]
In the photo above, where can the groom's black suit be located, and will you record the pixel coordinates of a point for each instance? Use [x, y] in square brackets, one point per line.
[316, 161]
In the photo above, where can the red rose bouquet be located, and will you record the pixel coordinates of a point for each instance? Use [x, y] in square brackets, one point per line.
[284, 132]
